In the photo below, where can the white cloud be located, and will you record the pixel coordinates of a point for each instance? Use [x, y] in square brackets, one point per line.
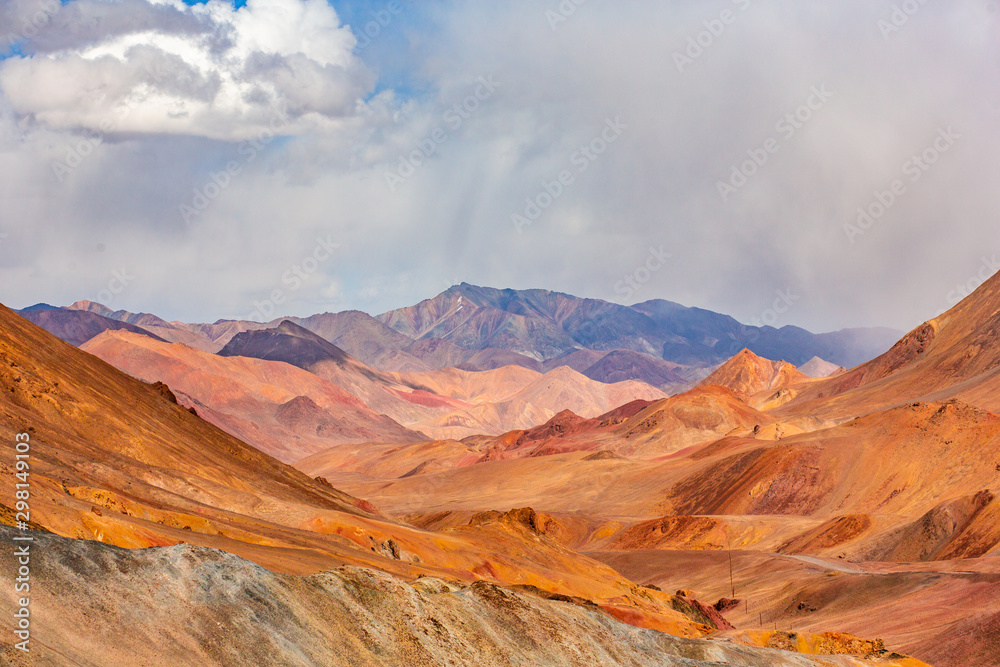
[450, 220]
[206, 70]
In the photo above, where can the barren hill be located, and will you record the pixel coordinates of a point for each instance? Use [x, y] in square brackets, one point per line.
[447, 403]
[954, 355]
[748, 375]
[115, 461]
[190, 605]
[282, 410]
[77, 327]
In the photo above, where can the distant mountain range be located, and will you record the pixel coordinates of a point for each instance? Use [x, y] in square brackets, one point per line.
[544, 325]
[662, 343]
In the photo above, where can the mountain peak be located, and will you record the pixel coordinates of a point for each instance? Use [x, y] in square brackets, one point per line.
[748, 374]
[93, 307]
[544, 325]
[290, 328]
[820, 368]
[287, 342]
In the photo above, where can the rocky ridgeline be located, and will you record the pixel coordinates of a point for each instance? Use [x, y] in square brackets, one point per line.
[188, 605]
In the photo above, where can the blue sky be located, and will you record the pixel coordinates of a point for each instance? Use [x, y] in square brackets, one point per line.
[386, 36]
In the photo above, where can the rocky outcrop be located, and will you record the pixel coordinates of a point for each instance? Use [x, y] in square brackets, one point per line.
[187, 605]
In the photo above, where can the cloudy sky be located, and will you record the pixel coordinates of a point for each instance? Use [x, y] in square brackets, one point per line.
[212, 160]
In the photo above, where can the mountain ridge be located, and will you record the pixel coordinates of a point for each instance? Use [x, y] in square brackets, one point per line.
[482, 328]
[544, 324]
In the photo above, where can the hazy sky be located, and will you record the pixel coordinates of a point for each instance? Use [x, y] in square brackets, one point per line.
[199, 160]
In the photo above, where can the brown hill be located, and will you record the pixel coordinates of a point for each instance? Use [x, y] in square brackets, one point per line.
[688, 420]
[83, 410]
[359, 334]
[875, 489]
[368, 340]
[565, 389]
[188, 605]
[401, 461]
[280, 409]
[578, 360]
[621, 365]
[221, 332]
[174, 332]
[76, 327]
[748, 375]
[113, 460]
[391, 461]
[925, 453]
[639, 429]
[287, 342]
[942, 614]
[926, 491]
[514, 397]
[473, 387]
[954, 355]
[407, 403]
[444, 404]
[918, 483]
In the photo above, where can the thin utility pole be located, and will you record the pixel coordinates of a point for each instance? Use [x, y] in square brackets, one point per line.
[732, 584]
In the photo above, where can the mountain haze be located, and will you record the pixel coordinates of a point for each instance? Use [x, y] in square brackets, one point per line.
[444, 403]
[664, 344]
[543, 325]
